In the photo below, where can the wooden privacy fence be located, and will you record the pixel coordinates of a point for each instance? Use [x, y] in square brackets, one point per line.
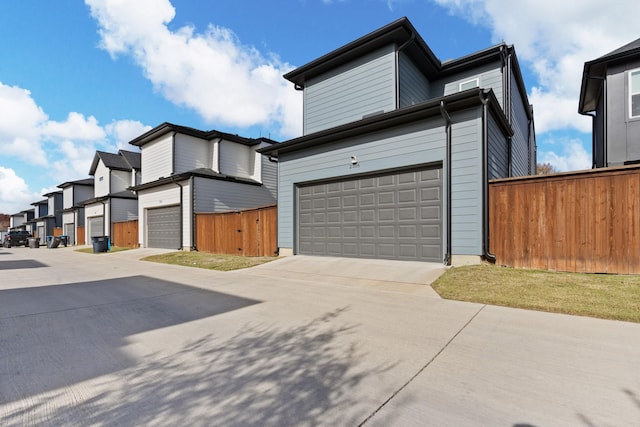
[585, 221]
[125, 234]
[248, 233]
[80, 240]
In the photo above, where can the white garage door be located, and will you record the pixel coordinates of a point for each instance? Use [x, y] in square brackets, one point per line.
[390, 216]
[96, 226]
[70, 230]
[163, 227]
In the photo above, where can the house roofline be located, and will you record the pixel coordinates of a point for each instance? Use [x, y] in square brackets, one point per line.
[455, 102]
[399, 32]
[167, 127]
[199, 173]
[88, 182]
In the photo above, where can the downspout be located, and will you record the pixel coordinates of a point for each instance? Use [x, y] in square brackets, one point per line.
[506, 101]
[400, 49]
[447, 119]
[193, 214]
[181, 209]
[485, 182]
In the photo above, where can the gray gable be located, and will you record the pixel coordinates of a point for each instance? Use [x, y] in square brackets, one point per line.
[132, 158]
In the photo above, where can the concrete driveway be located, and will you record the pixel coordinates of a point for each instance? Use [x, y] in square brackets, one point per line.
[110, 340]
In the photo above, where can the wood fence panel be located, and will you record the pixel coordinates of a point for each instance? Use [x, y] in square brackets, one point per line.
[586, 221]
[247, 233]
[80, 235]
[125, 234]
[57, 231]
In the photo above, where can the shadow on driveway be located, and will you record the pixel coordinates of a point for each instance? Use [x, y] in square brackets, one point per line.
[54, 336]
[25, 263]
[262, 376]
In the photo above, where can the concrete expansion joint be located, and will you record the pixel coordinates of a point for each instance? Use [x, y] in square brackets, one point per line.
[395, 393]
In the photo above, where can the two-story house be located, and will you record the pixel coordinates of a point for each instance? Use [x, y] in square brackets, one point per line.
[74, 194]
[48, 216]
[398, 148]
[186, 171]
[20, 220]
[610, 94]
[38, 222]
[112, 201]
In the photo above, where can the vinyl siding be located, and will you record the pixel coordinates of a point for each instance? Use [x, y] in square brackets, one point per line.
[236, 159]
[157, 159]
[270, 176]
[414, 86]
[67, 197]
[68, 218]
[120, 180]
[124, 210]
[214, 195]
[489, 77]
[81, 193]
[363, 86]
[191, 153]
[466, 183]
[623, 132]
[498, 153]
[101, 180]
[520, 150]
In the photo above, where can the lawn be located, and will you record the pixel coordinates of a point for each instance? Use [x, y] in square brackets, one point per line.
[209, 261]
[597, 295]
[113, 249]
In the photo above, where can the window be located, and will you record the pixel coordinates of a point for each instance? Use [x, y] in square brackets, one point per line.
[101, 178]
[469, 84]
[634, 93]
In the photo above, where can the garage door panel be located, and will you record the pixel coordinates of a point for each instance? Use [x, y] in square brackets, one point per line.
[163, 227]
[96, 226]
[394, 216]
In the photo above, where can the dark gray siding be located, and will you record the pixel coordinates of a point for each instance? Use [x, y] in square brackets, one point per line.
[498, 153]
[520, 150]
[361, 87]
[623, 133]
[598, 135]
[270, 176]
[414, 86]
[214, 195]
[124, 210]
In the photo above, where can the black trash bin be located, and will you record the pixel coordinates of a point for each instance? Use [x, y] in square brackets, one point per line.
[53, 243]
[100, 244]
[64, 239]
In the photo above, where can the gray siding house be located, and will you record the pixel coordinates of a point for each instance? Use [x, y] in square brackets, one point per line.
[186, 171]
[610, 94]
[398, 148]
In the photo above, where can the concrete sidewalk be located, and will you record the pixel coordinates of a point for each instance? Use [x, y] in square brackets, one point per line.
[107, 339]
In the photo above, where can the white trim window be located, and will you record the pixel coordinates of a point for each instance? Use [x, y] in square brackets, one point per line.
[469, 84]
[634, 93]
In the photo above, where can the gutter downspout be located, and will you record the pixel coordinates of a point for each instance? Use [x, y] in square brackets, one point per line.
[400, 49]
[447, 119]
[193, 214]
[485, 182]
[181, 213]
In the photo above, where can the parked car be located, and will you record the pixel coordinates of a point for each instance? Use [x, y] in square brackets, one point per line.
[16, 238]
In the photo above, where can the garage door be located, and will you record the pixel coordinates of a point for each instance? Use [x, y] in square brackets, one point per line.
[390, 216]
[69, 230]
[96, 226]
[163, 227]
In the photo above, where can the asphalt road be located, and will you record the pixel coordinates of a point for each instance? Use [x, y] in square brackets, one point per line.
[110, 340]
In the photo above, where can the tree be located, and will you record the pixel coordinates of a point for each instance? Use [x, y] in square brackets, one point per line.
[545, 169]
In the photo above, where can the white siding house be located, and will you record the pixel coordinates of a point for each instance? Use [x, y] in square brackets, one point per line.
[398, 148]
[187, 171]
[74, 194]
[113, 201]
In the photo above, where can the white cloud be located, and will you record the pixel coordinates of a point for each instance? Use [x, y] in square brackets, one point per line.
[555, 38]
[76, 126]
[123, 131]
[15, 195]
[211, 72]
[572, 157]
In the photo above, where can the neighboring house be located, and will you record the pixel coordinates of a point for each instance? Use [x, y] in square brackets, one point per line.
[187, 171]
[38, 222]
[74, 194]
[610, 94]
[398, 148]
[20, 220]
[112, 201]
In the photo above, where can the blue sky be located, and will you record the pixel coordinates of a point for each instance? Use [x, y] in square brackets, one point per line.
[77, 76]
